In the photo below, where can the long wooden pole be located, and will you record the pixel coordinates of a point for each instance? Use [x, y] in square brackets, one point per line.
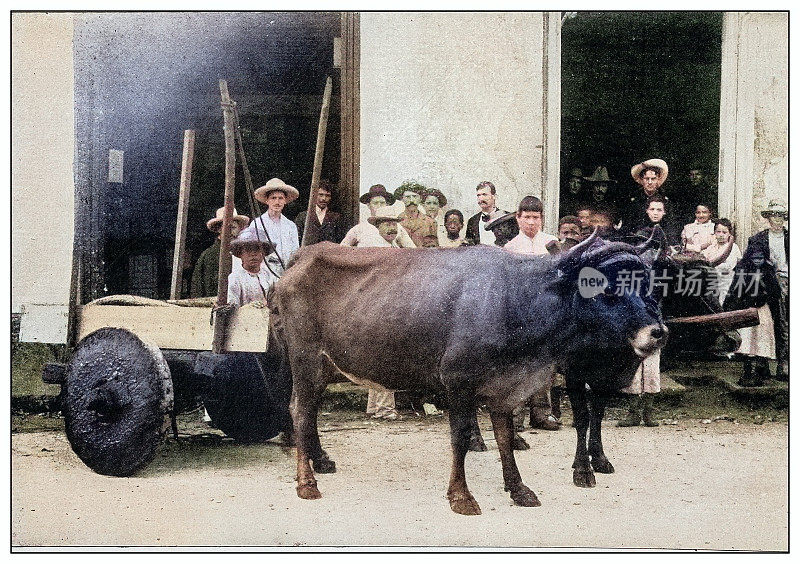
[255, 209]
[318, 154]
[183, 212]
[225, 237]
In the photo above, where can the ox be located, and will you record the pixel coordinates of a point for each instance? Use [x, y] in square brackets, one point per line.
[483, 324]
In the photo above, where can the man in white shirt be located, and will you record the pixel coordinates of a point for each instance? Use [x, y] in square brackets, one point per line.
[365, 234]
[531, 240]
[275, 227]
[251, 282]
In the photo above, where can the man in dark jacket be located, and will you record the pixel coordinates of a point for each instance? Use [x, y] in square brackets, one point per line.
[767, 253]
[326, 224]
[477, 233]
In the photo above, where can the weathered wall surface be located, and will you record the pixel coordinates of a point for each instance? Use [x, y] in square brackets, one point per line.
[451, 100]
[754, 120]
[42, 148]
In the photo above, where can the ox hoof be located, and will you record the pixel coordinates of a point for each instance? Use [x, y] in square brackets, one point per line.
[519, 443]
[324, 466]
[308, 491]
[465, 506]
[525, 497]
[476, 444]
[583, 478]
[602, 465]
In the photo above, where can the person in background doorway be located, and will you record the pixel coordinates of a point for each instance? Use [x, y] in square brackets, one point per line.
[698, 235]
[326, 224]
[205, 276]
[274, 227]
[650, 175]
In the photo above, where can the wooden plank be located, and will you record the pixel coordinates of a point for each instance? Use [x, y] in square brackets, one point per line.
[316, 173]
[183, 212]
[175, 327]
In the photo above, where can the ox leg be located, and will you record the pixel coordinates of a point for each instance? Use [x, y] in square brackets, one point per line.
[582, 474]
[322, 462]
[476, 443]
[306, 394]
[600, 462]
[503, 424]
[462, 420]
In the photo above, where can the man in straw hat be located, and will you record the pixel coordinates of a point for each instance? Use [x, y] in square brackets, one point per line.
[273, 226]
[365, 234]
[649, 175]
[414, 220]
[206, 270]
[251, 282]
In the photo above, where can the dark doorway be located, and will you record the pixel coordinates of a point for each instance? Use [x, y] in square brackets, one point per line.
[141, 80]
[639, 85]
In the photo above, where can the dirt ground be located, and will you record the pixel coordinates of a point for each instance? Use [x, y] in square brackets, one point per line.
[716, 485]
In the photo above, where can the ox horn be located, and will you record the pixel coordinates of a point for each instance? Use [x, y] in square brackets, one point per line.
[571, 258]
[610, 249]
[656, 241]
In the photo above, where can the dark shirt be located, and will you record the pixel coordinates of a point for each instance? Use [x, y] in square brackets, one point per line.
[332, 228]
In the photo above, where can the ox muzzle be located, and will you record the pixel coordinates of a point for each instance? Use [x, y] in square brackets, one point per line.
[649, 339]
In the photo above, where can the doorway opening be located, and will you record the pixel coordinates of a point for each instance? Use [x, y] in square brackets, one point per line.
[637, 86]
[141, 79]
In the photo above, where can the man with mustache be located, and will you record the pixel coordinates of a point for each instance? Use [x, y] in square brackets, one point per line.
[419, 225]
[477, 233]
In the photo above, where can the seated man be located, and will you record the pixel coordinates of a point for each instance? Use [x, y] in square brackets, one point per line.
[251, 282]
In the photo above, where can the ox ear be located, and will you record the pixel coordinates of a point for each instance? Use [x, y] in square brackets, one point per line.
[570, 260]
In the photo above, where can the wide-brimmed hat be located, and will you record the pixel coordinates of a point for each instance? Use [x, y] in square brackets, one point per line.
[215, 223]
[435, 192]
[636, 170]
[377, 190]
[600, 174]
[576, 172]
[273, 184]
[776, 207]
[249, 238]
[409, 186]
[383, 214]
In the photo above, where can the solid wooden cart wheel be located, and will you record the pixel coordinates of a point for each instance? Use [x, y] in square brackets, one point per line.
[238, 401]
[117, 391]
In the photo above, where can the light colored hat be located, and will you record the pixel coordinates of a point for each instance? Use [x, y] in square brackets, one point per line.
[776, 207]
[600, 174]
[215, 223]
[247, 238]
[636, 170]
[273, 184]
[383, 214]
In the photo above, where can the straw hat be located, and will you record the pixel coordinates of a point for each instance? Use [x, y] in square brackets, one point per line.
[435, 192]
[776, 207]
[215, 223]
[249, 238]
[273, 184]
[657, 163]
[383, 214]
[600, 174]
[374, 191]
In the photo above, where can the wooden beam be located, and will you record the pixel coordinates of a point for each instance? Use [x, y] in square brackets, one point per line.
[183, 212]
[319, 153]
[349, 177]
[176, 327]
[227, 218]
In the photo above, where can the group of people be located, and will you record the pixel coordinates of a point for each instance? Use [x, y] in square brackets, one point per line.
[263, 247]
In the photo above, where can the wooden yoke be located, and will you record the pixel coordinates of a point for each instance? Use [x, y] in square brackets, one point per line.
[726, 321]
[225, 261]
[318, 154]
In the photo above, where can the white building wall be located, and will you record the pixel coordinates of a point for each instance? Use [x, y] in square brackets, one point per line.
[42, 150]
[451, 99]
[754, 117]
